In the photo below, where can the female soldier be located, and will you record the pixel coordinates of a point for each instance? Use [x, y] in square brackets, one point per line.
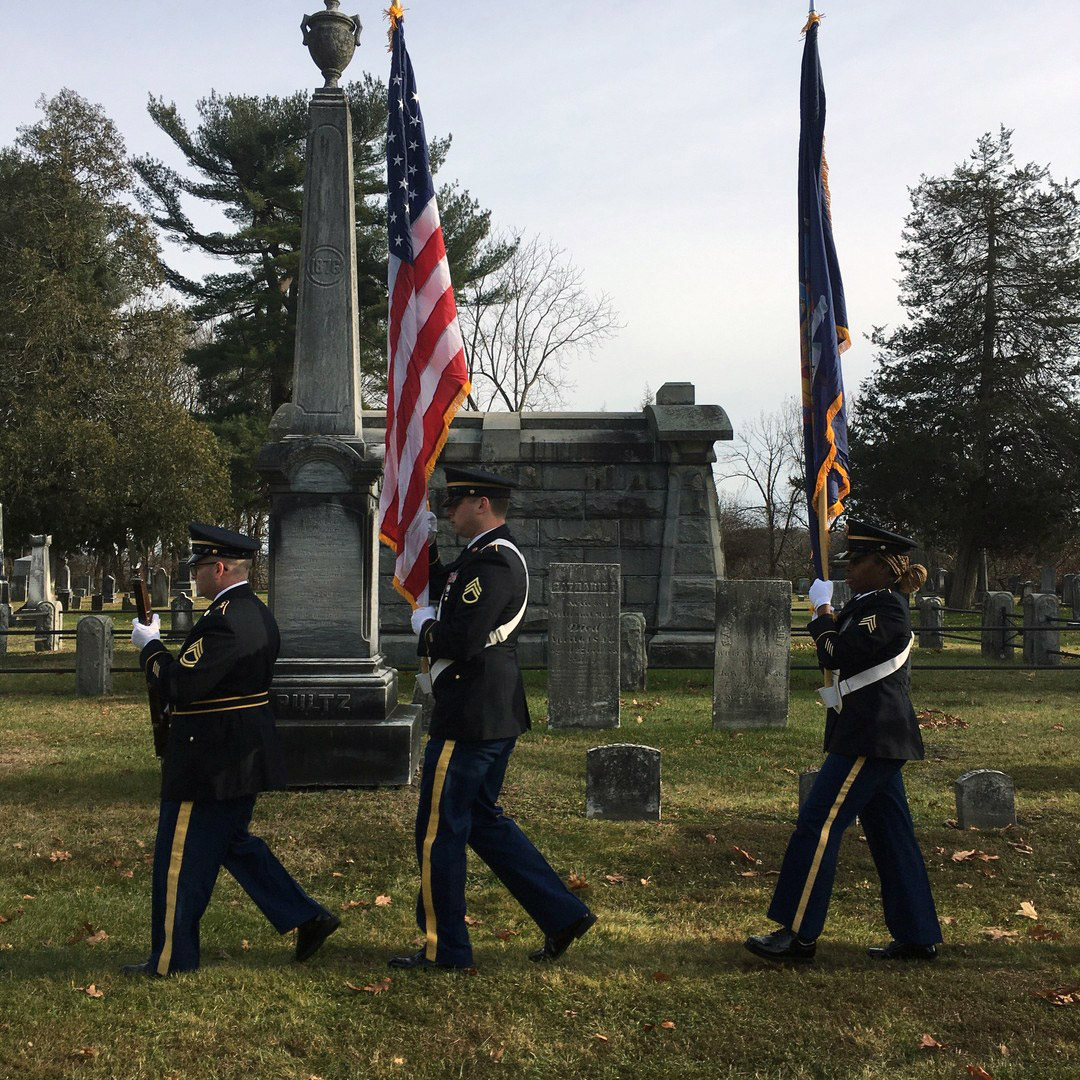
[870, 731]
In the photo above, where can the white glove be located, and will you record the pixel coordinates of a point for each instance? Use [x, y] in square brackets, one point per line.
[420, 616]
[143, 633]
[432, 527]
[820, 593]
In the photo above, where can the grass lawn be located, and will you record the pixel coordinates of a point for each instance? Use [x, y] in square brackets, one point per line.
[660, 988]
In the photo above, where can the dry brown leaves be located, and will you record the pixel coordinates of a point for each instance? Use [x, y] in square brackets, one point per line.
[85, 1052]
[1043, 933]
[577, 881]
[979, 1072]
[974, 853]
[350, 904]
[496, 1055]
[471, 920]
[382, 901]
[1027, 909]
[928, 1042]
[995, 933]
[661, 976]
[935, 718]
[60, 856]
[1059, 995]
[1021, 847]
[90, 991]
[506, 935]
[379, 987]
[745, 855]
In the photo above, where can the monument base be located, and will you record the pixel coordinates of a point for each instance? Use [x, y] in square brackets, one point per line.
[339, 752]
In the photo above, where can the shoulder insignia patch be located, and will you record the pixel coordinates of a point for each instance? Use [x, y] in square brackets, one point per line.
[870, 622]
[471, 593]
[224, 605]
[192, 654]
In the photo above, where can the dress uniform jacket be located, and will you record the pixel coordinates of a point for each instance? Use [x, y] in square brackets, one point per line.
[480, 695]
[877, 720]
[222, 740]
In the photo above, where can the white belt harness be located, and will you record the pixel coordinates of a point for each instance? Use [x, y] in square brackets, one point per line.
[497, 636]
[833, 696]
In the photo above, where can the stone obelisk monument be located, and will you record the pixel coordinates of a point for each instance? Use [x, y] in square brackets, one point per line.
[334, 695]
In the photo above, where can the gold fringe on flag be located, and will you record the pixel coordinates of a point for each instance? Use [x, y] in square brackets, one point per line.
[395, 13]
[813, 20]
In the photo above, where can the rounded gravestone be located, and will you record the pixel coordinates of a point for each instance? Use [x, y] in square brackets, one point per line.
[622, 783]
[93, 655]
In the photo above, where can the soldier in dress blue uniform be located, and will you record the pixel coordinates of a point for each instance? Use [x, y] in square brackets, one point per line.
[870, 732]
[222, 750]
[470, 639]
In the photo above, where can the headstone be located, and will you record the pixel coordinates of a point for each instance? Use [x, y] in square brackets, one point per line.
[937, 575]
[84, 584]
[931, 623]
[1067, 589]
[182, 582]
[20, 576]
[1042, 632]
[633, 656]
[182, 619]
[93, 655]
[841, 594]
[5, 591]
[63, 598]
[1048, 580]
[753, 647]
[159, 589]
[63, 576]
[50, 617]
[583, 645]
[806, 783]
[1027, 588]
[127, 602]
[1014, 585]
[984, 800]
[108, 589]
[97, 602]
[5, 624]
[426, 703]
[997, 634]
[804, 586]
[39, 585]
[76, 600]
[622, 783]
[946, 582]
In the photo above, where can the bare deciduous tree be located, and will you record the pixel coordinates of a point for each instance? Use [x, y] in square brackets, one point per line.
[524, 322]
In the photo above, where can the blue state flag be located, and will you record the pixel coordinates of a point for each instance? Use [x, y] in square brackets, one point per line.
[822, 312]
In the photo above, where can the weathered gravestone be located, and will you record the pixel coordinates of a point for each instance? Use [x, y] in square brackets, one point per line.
[633, 656]
[622, 783]
[159, 589]
[583, 645]
[1048, 580]
[97, 602]
[76, 600]
[937, 576]
[841, 594]
[39, 585]
[20, 575]
[182, 581]
[1042, 634]
[1067, 590]
[93, 655]
[182, 618]
[803, 587]
[50, 617]
[63, 576]
[108, 589]
[753, 645]
[127, 602]
[1027, 588]
[806, 783]
[5, 624]
[997, 639]
[931, 623]
[63, 598]
[984, 800]
[84, 584]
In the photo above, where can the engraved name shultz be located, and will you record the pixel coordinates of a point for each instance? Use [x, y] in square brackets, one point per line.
[327, 703]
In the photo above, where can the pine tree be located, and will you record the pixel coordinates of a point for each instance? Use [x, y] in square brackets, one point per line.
[967, 434]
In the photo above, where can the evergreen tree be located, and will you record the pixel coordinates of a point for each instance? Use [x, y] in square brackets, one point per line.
[95, 447]
[967, 434]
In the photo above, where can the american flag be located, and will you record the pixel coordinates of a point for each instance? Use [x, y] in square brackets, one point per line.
[427, 378]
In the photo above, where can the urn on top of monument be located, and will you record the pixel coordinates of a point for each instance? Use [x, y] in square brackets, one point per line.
[331, 38]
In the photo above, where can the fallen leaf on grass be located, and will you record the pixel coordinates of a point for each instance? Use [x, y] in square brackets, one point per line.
[1057, 727]
[350, 904]
[979, 1072]
[337, 873]
[710, 838]
[1003, 1050]
[661, 976]
[577, 881]
[471, 920]
[615, 879]
[974, 853]
[382, 901]
[748, 873]
[127, 873]
[372, 988]
[744, 854]
[85, 1052]
[570, 1012]
[506, 935]
[928, 1042]
[1059, 995]
[497, 1055]
[245, 945]
[995, 933]
[1043, 933]
[646, 881]
[28, 896]
[1021, 847]
[397, 1061]
[1027, 909]
[601, 1038]
[90, 991]
[60, 856]
[668, 1025]
[645, 1026]
[947, 920]
[97, 938]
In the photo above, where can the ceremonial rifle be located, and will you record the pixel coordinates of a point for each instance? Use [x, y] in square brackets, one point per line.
[159, 719]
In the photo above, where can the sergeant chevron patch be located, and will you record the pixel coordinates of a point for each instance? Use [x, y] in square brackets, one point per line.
[471, 593]
[870, 622]
[192, 654]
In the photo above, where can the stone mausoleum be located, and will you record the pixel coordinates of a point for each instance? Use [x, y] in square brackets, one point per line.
[613, 487]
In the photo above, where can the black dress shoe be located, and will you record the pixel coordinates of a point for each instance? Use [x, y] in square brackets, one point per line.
[144, 968]
[556, 944]
[311, 935]
[897, 950]
[420, 960]
[782, 945]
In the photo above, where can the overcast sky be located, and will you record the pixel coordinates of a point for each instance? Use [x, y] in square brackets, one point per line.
[656, 142]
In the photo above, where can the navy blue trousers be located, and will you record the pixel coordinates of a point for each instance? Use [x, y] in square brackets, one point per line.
[458, 807]
[194, 840]
[872, 789]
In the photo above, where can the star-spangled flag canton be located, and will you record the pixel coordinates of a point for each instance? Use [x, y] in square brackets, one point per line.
[822, 310]
[426, 375]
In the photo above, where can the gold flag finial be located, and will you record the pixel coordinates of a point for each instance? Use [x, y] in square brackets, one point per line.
[395, 13]
[812, 20]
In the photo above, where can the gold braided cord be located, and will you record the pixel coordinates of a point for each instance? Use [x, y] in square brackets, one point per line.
[394, 13]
